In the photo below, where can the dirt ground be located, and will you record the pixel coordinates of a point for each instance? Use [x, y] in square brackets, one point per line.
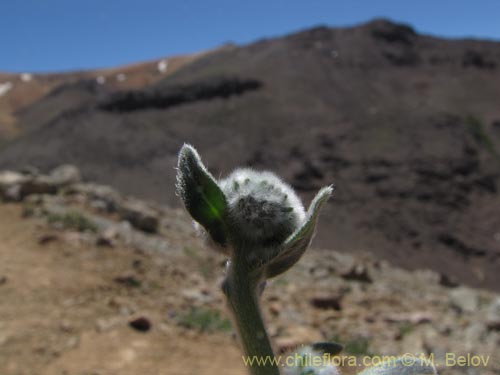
[61, 311]
[73, 305]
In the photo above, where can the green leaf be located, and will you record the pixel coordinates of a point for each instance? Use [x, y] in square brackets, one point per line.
[201, 195]
[407, 365]
[295, 246]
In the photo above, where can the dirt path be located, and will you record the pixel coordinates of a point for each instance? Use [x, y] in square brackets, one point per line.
[61, 312]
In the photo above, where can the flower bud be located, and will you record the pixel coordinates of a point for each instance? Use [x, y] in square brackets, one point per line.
[262, 209]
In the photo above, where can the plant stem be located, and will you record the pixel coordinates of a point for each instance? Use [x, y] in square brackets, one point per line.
[240, 288]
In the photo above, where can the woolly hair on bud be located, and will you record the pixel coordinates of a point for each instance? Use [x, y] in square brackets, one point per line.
[262, 208]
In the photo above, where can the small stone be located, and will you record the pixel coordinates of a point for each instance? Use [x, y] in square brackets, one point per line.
[129, 281]
[370, 319]
[10, 185]
[474, 334]
[327, 301]
[319, 272]
[47, 238]
[3, 338]
[103, 325]
[412, 318]
[448, 281]
[108, 237]
[493, 315]
[3, 280]
[141, 324]
[65, 175]
[275, 308]
[38, 185]
[72, 342]
[12, 193]
[194, 295]
[464, 299]
[358, 272]
[140, 216]
[165, 328]
[65, 326]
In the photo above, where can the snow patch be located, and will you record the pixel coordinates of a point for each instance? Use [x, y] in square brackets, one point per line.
[26, 77]
[5, 88]
[121, 77]
[162, 66]
[101, 80]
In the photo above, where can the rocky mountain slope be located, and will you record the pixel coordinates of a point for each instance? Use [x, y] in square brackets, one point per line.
[96, 282]
[19, 91]
[406, 126]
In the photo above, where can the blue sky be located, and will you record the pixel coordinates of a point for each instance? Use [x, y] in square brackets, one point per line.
[59, 35]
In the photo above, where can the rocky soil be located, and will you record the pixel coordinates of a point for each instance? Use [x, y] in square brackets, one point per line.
[95, 282]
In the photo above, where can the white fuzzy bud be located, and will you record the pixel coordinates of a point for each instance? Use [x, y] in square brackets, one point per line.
[262, 209]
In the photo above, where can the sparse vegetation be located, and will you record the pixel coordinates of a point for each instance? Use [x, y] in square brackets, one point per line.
[72, 220]
[281, 281]
[28, 211]
[479, 133]
[406, 329]
[205, 320]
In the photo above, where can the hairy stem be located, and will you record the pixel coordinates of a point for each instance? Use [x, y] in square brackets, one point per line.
[241, 290]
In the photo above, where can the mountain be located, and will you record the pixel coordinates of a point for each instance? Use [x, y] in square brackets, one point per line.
[407, 127]
[20, 90]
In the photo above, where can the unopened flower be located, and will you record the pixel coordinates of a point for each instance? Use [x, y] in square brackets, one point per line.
[252, 216]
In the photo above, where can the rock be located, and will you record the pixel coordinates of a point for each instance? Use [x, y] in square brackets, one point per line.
[3, 280]
[358, 272]
[103, 325]
[9, 178]
[474, 334]
[38, 185]
[141, 324]
[174, 95]
[100, 197]
[47, 238]
[12, 193]
[10, 183]
[448, 281]
[327, 301]
[412, 318]
[140, 216]
[107, 237]
[464, 299]
[275, 308]
[4, 337]
[413, 343]
[124, 306]
[65, 326]
[72, 342]
[319, 272]
[493, 315]
[197, 296]
[65, 175]
[129, 281]
[78, 238]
